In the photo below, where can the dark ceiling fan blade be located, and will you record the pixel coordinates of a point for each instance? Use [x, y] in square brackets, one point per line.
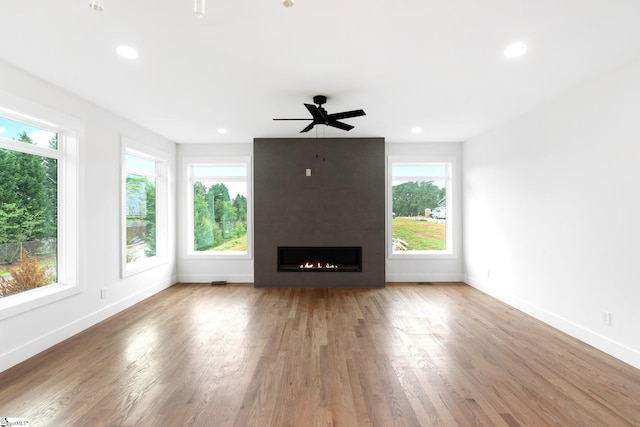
[308, 128]
[346, 115]
[316, 113]
[339, 125]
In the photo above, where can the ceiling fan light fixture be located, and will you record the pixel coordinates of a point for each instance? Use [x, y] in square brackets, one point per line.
[96, 5]
[287, 3]
[198, 8]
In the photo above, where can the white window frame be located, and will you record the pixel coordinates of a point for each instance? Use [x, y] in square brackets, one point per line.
[160, 158]
[245, 161]
[70, 133]
[450, 162]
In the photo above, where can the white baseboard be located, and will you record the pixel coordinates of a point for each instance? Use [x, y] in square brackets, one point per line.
[421, 277]
[206, 278]
[594, 339]
[33, 347]
[248, 278]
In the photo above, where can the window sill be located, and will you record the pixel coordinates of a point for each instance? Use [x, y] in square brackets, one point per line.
[143, 265]
[14, 305]
[218, 255]
[422, 255]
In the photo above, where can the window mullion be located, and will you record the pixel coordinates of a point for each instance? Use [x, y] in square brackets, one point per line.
[27, 148]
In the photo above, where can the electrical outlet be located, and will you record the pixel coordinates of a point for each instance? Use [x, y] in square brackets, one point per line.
[605, 316]
[103, 293]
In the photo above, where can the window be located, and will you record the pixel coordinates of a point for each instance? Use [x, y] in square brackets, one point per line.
[28, 207]
[420, 204]
[219, 207]
[38, 252]
[144, 188]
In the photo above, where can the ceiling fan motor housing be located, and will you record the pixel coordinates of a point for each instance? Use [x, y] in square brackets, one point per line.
[319, 99]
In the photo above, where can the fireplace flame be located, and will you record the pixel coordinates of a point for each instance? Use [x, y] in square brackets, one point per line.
[318, 265]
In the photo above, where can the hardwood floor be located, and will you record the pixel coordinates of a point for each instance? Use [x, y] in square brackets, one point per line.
[406, 355]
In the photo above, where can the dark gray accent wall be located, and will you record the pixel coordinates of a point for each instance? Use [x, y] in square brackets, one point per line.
[342, 203]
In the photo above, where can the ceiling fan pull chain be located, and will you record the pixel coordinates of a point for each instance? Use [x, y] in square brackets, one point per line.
[324, 146]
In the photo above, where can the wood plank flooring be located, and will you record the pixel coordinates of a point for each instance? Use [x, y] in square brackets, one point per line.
[407, 355]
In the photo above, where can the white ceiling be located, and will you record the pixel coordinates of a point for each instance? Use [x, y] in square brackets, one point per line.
[434, 64]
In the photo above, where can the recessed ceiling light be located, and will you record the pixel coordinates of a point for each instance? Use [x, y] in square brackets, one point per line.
[416, 130]
[515, 50]
[222, 131]
[127, 52]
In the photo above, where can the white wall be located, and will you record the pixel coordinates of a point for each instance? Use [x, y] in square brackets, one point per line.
[551, 212]
[398, 270]
[99, 152]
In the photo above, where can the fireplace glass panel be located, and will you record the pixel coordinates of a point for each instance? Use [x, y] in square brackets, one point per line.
[319, 259]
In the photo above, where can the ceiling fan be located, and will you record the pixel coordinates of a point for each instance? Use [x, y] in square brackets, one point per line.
[320, 117]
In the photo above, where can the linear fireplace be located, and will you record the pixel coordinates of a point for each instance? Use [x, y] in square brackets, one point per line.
[318, 214]
[319, 259]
